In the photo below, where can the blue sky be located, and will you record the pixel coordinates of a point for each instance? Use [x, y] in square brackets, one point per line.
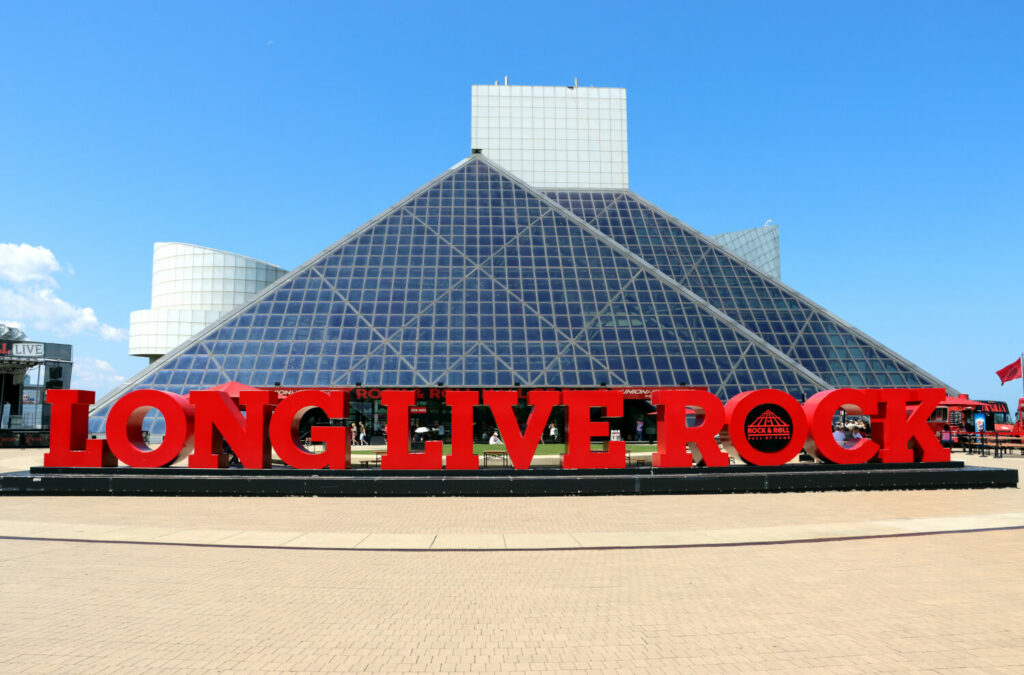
[885, 139]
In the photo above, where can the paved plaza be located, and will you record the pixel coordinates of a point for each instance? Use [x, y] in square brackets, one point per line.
[841, 581]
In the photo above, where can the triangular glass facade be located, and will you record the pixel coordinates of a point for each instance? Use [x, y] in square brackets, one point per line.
[476, 280]
[822, 343]
[759, 246]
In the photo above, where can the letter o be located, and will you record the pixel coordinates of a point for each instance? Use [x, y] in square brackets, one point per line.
[741, 405]
[124, 428]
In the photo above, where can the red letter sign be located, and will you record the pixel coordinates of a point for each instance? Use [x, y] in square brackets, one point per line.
[462, 457]
[766, 427]
[673, 434]
[398, 457]
[580, 429]
[69, 426]
[284, 430]
[521, 446]
[124, 428]
[908, 439]
[219, 419]
[821, 408]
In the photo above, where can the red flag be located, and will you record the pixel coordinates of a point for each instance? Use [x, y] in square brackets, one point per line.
[1010, 372]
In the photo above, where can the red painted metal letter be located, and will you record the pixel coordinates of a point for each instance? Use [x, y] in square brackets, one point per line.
[69, 426]
[218, 419]
[759, 418]
[673, 434]
[462, 457]
[821, 408]
[284, 430]
[580, 430]
[124, 428]
[398, 457]
[908, 438]
[521, 446]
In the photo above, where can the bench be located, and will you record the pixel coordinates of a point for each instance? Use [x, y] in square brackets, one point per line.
[495, 454]
[983, 442]
[635, 462]
[1003, 445]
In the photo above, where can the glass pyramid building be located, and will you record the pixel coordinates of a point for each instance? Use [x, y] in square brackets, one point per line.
[478, 280]
[483, 279]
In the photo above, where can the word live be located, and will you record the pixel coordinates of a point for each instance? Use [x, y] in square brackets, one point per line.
[764, 427]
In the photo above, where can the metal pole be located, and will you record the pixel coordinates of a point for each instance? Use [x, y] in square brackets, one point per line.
[1019, 414]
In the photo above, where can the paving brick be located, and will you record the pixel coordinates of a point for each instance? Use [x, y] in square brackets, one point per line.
[924, 603]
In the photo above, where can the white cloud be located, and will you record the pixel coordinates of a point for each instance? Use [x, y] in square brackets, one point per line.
[39, 308]
[22, 263]
[29, 302]
[95, 375]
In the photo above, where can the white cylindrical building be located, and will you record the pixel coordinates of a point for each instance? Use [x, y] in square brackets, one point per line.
[193, 286]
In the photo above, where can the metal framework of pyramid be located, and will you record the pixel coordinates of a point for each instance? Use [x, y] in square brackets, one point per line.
[478, 280]
[824, 344]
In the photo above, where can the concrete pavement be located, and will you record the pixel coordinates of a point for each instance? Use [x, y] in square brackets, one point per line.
[708, 583]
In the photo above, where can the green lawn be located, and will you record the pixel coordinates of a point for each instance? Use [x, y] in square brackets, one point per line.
[543, 449]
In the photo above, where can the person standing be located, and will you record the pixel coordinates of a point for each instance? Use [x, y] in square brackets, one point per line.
[352, 432]
[842, 436]
[854, 435]
[640, 429]
[552, 433]
[362, 434]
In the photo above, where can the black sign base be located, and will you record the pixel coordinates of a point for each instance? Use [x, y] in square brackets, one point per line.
[502, 482]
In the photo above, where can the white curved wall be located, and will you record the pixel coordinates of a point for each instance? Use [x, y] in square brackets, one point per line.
[193, 286]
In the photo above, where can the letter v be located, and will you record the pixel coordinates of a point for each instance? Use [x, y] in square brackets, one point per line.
[521, 446]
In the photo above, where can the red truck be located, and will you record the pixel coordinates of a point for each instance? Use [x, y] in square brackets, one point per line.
[959, 413]
[1018, 427]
